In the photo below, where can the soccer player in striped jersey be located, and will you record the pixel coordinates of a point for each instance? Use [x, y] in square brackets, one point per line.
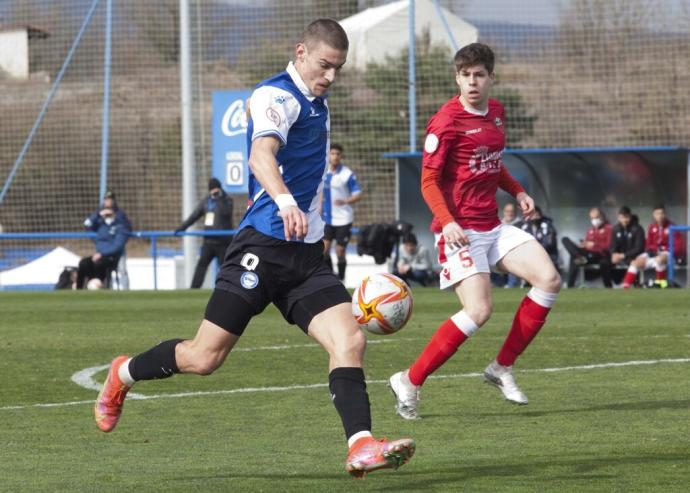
[277, 257]
[340, 191]
[462, 168]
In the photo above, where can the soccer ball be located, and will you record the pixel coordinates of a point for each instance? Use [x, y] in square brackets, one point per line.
[382, 303]
[94, 284]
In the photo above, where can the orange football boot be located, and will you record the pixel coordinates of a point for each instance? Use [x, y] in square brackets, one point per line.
[109, 403]
[369, 454]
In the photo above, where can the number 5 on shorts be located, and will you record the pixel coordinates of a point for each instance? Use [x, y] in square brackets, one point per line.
[466, 260]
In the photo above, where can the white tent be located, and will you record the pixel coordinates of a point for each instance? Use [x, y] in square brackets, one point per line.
[43, 270]
[380, 31]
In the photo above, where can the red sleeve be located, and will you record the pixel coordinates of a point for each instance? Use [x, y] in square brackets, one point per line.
[650, 245]
[433, 196]
[440, 140]
[508, 183]
[679, 247]
[605, 240]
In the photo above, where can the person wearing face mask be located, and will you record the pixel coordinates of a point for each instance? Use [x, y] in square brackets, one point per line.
[112, 228]
[593, 250]
[216, 209]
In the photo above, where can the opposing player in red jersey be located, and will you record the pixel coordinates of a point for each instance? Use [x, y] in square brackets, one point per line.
[462, 168]
[655, 255]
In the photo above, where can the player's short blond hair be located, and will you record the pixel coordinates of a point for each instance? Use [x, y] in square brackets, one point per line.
[326, 31]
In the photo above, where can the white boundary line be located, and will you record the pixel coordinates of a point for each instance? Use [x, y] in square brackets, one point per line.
[323, 385]
[84, 378]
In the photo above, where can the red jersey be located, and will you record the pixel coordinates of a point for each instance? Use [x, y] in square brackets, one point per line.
[657, 239]
[463, 157]
[601, 237]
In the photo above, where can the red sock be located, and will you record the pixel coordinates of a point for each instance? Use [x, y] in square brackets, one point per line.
[630, 278]
[529, 319]
[444, 343]
[661, 275]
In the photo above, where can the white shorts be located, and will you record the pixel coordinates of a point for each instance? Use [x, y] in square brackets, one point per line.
[486, 248]
[650, 260]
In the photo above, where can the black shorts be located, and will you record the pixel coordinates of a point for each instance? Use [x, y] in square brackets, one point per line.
[260, 270]
[340, 233]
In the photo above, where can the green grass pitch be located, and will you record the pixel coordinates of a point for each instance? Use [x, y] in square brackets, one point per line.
[598, 429]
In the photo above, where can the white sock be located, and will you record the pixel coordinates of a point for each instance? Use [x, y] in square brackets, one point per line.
[543, 298]
[123, 373]
[357, 436]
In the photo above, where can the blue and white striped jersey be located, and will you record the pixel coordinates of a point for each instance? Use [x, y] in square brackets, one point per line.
[341, 184]
[282, 106]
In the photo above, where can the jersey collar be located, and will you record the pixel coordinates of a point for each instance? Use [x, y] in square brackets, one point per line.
[297, 79]
[473, 111]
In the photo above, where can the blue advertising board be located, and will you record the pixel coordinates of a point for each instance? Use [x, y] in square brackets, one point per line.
[229, 139]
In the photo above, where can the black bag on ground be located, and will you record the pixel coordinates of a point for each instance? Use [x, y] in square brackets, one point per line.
[379, 239]
[67, 278]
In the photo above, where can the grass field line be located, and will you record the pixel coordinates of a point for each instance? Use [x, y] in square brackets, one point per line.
[84, 378]
[323, 385]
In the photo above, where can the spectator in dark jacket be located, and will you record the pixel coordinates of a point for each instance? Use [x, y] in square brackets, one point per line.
[112, 229]
[627, 240]
[542, 228]
[216, 209]
[593, 250]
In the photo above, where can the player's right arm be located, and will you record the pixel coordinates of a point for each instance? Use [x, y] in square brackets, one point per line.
[264, 165]
[273, 112]
[439, 141]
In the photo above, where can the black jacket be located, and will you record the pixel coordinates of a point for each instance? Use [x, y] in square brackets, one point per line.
[629, 241]
[545, 233]
[221, 210]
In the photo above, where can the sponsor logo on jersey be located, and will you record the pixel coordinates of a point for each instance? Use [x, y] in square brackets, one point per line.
[498, 122]
[249, 280]
[279, 99]
[313, 113]
[273, 116]
[431, 143]
[484, 161]
[473, 131]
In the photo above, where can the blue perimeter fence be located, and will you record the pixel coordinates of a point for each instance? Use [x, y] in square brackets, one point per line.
[153, 236]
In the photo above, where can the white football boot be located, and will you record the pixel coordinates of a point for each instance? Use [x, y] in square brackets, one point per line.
[502, 377]
[406, 395]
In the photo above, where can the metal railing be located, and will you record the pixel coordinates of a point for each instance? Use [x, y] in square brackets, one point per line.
[153, 236]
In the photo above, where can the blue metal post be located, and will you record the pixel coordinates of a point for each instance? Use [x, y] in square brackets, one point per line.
[411, 77]
[154, 254]
[107, 63]
[446, 27]
[671, 259]
[49, 99]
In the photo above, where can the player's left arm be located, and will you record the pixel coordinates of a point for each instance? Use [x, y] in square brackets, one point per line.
[355, 190]
[512, 186]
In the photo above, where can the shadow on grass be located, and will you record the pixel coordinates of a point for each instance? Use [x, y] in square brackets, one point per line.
[615, 406]
[576, 469]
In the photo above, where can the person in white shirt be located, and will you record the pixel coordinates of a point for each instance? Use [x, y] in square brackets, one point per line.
[340, 191]
[414, 263]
